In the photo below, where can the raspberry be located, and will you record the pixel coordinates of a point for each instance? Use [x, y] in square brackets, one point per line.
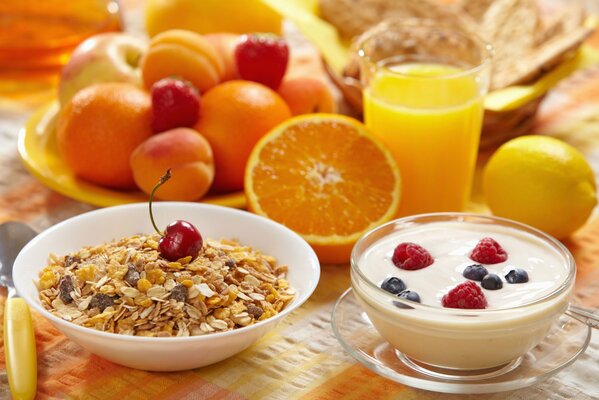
[411, 256]
[488, 251]
[465, 295]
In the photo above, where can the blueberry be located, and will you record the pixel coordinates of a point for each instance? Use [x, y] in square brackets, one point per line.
[517, 276]
[410, 295]
[492, 282]
[475, 272]
[393, 285]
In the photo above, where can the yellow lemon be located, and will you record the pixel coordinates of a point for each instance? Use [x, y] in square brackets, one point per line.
[209, 16]
[541, 181]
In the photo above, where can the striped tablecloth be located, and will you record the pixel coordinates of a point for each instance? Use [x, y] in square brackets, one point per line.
[301, 358]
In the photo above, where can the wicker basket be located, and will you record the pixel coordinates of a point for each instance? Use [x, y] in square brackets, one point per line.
[501, 126]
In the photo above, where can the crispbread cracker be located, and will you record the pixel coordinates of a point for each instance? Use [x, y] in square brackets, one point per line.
[353, 17]
[569, 19]
[506, 21]
[476, 9]
[525, 46]
[543, 58]
[511, 25]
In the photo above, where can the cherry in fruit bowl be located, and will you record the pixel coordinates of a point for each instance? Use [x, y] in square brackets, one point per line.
[262, 58]
[180, 238]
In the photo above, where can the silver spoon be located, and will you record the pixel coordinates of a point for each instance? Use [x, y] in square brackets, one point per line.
[19, 340]
[588, 316]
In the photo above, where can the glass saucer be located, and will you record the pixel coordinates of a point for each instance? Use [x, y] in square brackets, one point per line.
[565, 342]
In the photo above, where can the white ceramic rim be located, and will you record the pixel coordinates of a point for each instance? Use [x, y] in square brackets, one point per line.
[312, 259]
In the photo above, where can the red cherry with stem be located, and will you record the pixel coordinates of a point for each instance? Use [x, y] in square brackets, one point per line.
[180, 238]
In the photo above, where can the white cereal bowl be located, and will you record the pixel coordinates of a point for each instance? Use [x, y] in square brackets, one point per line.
[176, 353]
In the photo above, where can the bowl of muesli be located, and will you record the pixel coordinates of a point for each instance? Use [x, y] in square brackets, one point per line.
[101, 279]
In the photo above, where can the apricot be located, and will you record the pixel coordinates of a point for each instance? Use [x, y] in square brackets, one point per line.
[99, 128]
[182, 150]
[306, 95]
[225, 44]
[235, 115]
[185, 54]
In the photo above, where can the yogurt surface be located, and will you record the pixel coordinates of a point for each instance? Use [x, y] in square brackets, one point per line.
[450, 244]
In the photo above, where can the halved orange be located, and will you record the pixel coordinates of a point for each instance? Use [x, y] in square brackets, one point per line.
[325, 177]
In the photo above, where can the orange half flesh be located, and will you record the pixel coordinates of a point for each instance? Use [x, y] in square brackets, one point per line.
[325, 177]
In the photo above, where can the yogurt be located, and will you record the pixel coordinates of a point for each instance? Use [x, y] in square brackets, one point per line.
[517, 317]
[450, 244]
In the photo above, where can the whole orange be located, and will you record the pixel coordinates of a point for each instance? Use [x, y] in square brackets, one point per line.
[235, 115]
[98, 130]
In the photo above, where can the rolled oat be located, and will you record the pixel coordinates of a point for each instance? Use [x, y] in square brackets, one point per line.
[126, 287]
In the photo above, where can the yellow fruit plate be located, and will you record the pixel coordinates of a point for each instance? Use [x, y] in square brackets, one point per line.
[38, 151]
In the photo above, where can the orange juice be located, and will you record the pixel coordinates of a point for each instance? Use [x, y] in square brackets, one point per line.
[429, 116]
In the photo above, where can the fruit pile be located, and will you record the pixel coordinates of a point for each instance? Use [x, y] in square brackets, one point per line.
[195, 104]
[220, 111]
[465, 295]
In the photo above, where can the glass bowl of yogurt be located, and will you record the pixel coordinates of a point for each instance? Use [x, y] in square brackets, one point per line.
[516, 316]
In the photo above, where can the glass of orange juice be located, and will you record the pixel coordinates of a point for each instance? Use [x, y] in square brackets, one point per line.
[424, 85]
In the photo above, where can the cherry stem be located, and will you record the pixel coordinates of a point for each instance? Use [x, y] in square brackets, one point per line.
[163, 179]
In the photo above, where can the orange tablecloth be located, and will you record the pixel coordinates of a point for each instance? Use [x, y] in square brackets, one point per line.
[301, 358]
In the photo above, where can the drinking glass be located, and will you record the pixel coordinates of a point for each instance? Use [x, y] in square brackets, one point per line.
[423, 88]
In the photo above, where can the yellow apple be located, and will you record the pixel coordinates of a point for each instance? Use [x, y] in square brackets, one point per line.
[107, 57]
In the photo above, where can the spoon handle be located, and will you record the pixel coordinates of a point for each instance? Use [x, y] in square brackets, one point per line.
[19, 350]
[589, 316]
